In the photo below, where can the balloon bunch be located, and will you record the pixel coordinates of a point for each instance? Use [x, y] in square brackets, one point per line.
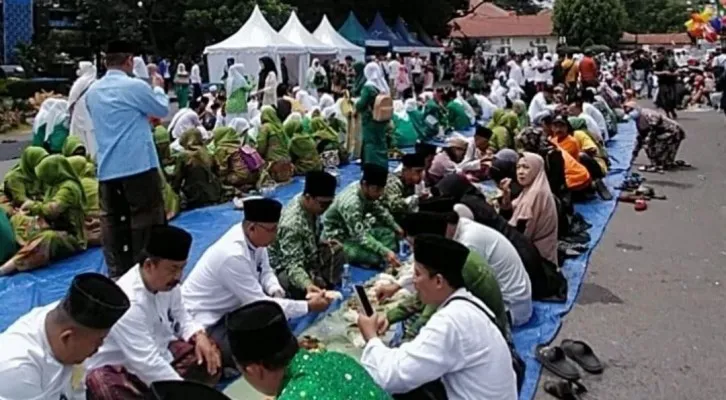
[706, 24]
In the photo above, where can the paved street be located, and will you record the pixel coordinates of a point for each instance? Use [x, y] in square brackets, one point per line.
[652, 305]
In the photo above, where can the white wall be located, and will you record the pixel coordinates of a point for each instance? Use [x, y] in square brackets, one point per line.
[520, 44]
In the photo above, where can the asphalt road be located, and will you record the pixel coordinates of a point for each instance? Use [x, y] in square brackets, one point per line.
[652, 305]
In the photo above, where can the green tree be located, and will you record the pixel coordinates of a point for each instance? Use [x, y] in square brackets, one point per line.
[655, 16]
[601, 21]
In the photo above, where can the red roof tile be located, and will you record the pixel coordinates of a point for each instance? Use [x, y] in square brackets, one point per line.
[656, 38]
[478, 26]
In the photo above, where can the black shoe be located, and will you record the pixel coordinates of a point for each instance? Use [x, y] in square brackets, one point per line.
[602, 190]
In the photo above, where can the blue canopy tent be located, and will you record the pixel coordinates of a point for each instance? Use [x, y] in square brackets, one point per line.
[412, 44]
[357, 34]
[380, 31]
[424, 38]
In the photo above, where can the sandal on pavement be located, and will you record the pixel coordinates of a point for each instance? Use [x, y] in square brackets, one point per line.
[581, 353]
[555, 360]
[564, 389]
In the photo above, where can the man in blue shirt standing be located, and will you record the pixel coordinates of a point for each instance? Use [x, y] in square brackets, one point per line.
[129, 182]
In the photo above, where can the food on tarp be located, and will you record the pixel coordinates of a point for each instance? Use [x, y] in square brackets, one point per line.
[356, 338]
[311, 343]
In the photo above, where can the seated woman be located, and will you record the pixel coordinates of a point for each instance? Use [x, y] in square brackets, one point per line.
[660, 135]
[303, 151]
[239, 165]
[547, 280]
[273, 146]
[447, 160]
[21, 184]
[243, 127]
[404, 129]
[73, 146]
[504, 127]
[534, 212]
[458, 118]
[86, 171]
[328, 144]
[52, 228]
[427, 121]
[194, 175]
[520, 108]
[183, 121]
[162, 140]
[50, 126]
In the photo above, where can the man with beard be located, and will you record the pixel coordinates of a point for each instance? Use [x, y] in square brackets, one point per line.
[157, 339]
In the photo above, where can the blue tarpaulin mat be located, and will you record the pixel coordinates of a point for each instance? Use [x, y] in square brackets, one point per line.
[21, 292]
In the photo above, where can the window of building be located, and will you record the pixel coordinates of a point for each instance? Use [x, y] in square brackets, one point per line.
[504, 50]
[505, 41]
[541, 40]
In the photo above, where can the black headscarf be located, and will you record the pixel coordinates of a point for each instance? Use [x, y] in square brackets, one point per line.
[267, 66]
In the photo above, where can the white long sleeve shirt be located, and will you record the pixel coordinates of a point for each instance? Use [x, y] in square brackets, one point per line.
[597, 117]
[28, 369]
[230, 274]
[139, 341]
[471, 161]
[487, 107]
[471, 367]
[508, 268]
[538, 104]
[195, 76]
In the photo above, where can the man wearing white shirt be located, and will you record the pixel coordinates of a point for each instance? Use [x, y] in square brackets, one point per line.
[596, 123]
[157, 339]
[460, 344]
[195, 78]
[476, 149]
[515, 72]
[40, 349]
[417, 72]
[236, 270]
[540, 102]
[486, 105]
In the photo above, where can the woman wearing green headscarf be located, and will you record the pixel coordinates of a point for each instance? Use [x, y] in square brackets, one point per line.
[360, 79]
[235, 169]
[327, 140]
[194, 175]
[86, 171]
[303, 151]
[73, 146]
[520, 108]
[52, 228]
[504, 128]
[50, 126]
[162, 140]
[274, 146]
[21, 184]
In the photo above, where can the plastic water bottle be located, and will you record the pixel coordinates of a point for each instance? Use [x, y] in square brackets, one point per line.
[346, 283]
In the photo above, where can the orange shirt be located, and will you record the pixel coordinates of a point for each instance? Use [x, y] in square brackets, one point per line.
[570, 145]
[588, 69]
[576, 175]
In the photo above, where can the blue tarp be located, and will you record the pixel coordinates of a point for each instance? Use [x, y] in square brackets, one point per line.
[380, 31]
[21, 292]
[357, 34]
[401, 28]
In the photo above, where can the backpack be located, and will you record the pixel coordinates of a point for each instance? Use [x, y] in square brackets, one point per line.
[383, 108]
[251, 158]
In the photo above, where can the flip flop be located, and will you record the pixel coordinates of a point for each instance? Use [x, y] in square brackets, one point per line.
[561, 390]
[581, 353]
[555, 360]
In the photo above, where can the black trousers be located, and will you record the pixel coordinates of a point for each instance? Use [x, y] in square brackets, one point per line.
[592, 166]
[130, 206]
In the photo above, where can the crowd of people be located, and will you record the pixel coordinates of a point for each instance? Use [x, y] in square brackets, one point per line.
[479, 259]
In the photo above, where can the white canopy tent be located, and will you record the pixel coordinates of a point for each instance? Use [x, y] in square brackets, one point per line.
[255, 39]
[328, 35]
[295, 32]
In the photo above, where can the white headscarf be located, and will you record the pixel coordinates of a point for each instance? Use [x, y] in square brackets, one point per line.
[86, 76]
[236, 78]
[182, 121]
[306, 100]
[140, 70]
[52, 113]
[315, 68]
[312, 111]
[181, 70]
[329, 112]
[515, 92]
[374, 77]
[326, 101]
[240, 125]
[426, 96]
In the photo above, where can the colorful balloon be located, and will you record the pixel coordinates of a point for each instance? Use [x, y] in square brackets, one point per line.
[716, 24]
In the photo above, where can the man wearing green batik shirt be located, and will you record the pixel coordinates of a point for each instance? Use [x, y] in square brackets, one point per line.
[359, 221]
[271, 360]
[400, 194]
[302, 262]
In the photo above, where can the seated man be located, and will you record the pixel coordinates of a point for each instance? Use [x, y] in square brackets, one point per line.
[270, 359]
[478, 153]
[41, 348]
[479, 279]
[303, 263]
[460, 344]
[157, 339]
[359, 221]
[400, 193]
[235, 271]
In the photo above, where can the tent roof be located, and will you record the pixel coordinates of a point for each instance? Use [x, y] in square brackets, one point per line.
[328, 35]
[380, 31]
[424, 38]
[354, 32]
[255, 35]
[296, 33]
[400, 27]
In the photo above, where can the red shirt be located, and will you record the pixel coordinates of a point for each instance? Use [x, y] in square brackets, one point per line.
[588, 69]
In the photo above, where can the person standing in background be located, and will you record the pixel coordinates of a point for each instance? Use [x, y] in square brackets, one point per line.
[130, 192]
[195, 77]
[181, 86]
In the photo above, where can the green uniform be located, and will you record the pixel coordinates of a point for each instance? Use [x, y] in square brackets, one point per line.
[366, 228]
[479, 279]
[504, 126]
[396, 194]
[458, 120]
[426, 122]
[303, 151]
[328, 375]
[296, 247]
[21, 183]
[375, 150]
[56, 139]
